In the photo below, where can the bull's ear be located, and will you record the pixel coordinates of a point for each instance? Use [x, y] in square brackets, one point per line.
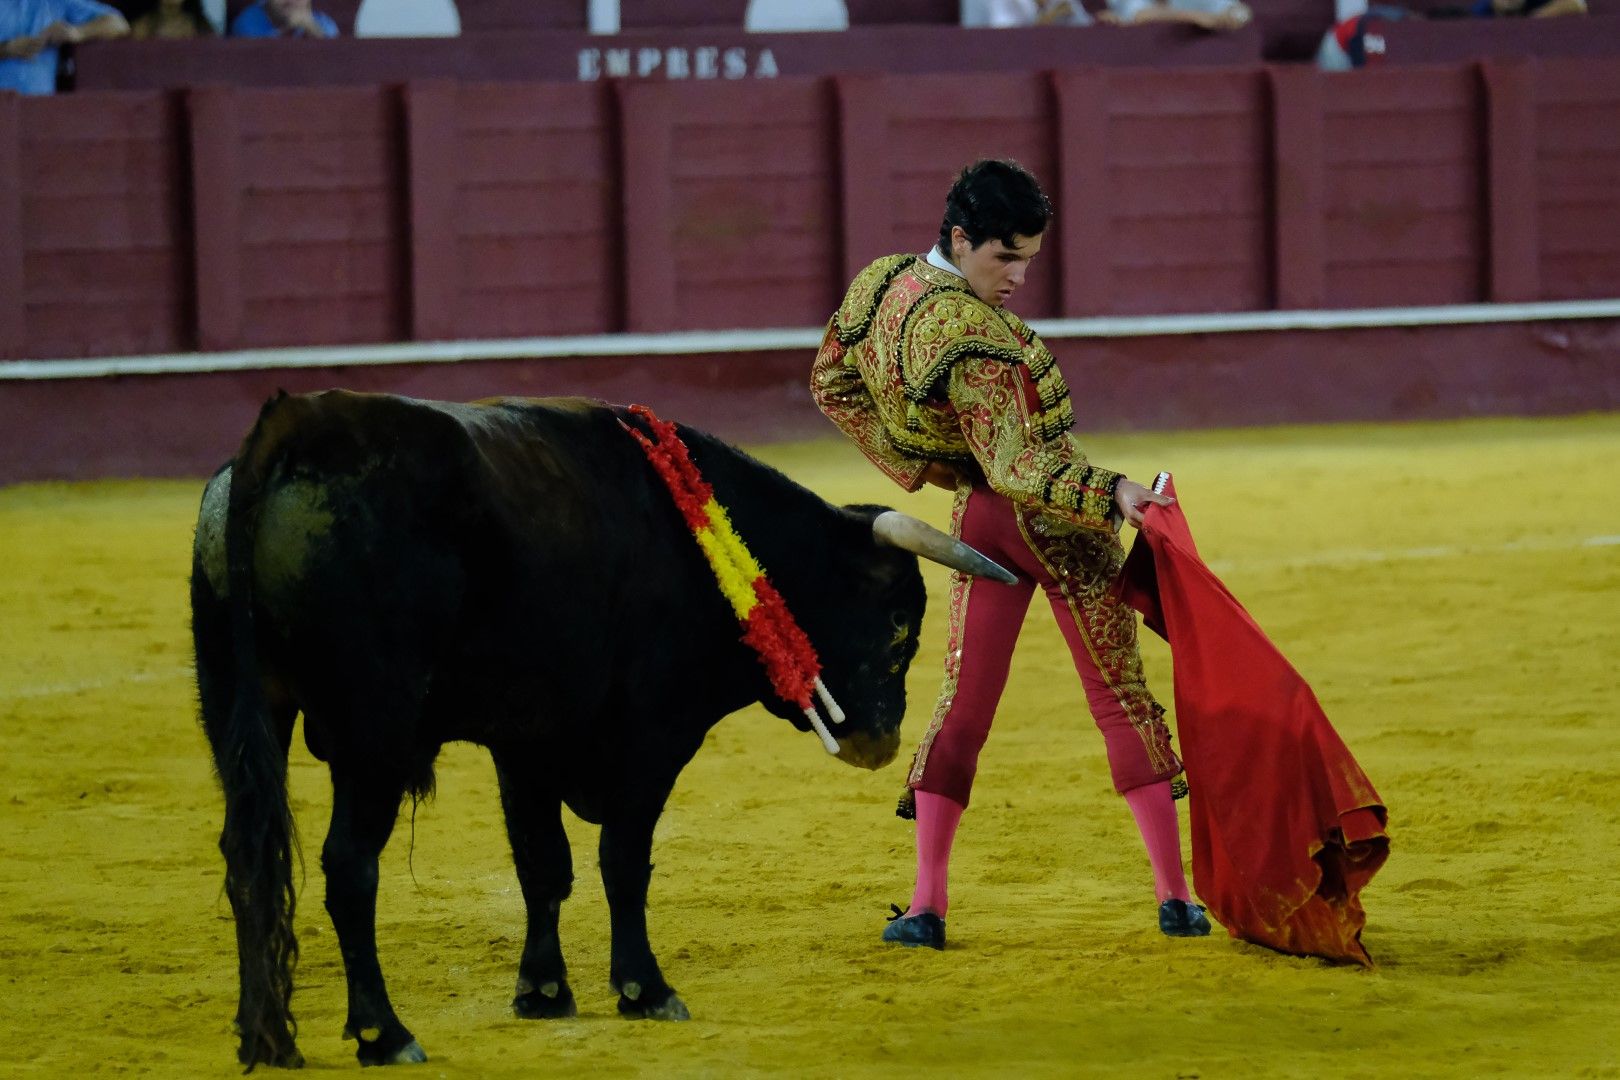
[890, 528]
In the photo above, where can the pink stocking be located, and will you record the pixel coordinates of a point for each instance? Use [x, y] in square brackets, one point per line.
[937, 818]
[1155, 811]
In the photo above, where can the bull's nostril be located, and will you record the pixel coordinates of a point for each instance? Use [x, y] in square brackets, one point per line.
[868, 751]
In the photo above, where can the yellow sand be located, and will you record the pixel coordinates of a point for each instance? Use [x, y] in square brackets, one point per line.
[1452, 591]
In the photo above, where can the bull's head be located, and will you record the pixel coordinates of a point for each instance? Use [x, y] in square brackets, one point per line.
[867, 643]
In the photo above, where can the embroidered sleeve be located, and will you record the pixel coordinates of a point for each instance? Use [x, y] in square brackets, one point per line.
[841, 392]
[994, 400]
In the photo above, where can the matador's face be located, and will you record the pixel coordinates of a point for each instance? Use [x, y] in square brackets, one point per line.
[994, 270]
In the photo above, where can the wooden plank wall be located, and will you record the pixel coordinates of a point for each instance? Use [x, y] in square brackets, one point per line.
[1577, 177]
[97, 249]
[1187, 190]
[322, 236]
[752, 212]
[222, 217]
[1401, 188]
[534, 210]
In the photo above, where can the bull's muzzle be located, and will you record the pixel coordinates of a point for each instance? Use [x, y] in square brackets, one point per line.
[868, 751]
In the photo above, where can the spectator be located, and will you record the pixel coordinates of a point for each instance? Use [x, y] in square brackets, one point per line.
[283, 18]
[33, 31]
[1004, 13]
[1357, 41]
[1530, 9]
[1205, 14]
[171, 19]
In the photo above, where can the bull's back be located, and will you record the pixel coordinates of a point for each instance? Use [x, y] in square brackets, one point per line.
[503, 547]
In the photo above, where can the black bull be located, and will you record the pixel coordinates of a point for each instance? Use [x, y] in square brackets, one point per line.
[514, 574]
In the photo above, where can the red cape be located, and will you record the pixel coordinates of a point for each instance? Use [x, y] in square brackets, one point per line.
[1286, 828]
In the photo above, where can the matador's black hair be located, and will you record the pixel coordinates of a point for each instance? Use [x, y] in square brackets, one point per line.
[994, 199]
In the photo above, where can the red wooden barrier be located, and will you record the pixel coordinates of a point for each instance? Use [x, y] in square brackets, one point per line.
[1188, 181]
[752, 215]
[1401, 183]
[100, 225]
[537, 212]
[1512, 233]
[1299, 261]
[1577, 176]
[323, 254]
[221, 218]
[13, 309]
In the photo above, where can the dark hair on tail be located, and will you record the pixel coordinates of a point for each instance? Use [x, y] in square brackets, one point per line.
[994, 199]
[257, 841]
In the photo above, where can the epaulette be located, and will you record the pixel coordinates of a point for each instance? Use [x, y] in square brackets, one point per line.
[854, 316]
[942, 327]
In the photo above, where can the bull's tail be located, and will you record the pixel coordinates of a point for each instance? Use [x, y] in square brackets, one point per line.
[251, 757]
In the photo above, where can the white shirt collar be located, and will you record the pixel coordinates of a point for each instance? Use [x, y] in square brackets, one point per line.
[936, 258]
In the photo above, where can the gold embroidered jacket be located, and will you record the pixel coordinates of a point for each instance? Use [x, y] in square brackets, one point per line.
[917, 369]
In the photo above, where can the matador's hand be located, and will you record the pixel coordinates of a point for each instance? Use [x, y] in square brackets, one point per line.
[1132, 498]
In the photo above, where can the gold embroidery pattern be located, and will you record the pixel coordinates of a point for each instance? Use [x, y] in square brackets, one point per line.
[961, 584]
[1085, 566]
[865, 293]
[888, 374]
[1057, 411]
[1030, 470]
[840, 391]
[940, 328]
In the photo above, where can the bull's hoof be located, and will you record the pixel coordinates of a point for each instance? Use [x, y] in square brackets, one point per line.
[409, 1054]
[286, 1057]
[548, 1001]
[397, 1047]
[637, 1004]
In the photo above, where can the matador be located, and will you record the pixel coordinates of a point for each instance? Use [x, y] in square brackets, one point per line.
[937, 382]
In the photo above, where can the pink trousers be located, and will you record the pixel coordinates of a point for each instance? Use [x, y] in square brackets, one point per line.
[1076, 568]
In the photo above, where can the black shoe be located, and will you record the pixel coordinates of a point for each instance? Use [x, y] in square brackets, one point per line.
[924, 928]
[1180, 918]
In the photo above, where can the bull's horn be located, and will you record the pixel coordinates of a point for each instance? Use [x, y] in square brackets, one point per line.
[920, 538]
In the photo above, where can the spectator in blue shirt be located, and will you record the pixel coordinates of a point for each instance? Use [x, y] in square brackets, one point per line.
[283, 18]
[32, 32]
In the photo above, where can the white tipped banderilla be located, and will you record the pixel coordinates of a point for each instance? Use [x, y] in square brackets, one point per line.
[833, 712]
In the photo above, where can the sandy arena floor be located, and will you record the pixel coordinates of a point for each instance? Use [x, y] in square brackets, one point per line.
[1452, 592]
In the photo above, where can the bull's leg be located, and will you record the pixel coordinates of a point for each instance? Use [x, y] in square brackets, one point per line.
[625, 851]
[363, 813]
[545, 870]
